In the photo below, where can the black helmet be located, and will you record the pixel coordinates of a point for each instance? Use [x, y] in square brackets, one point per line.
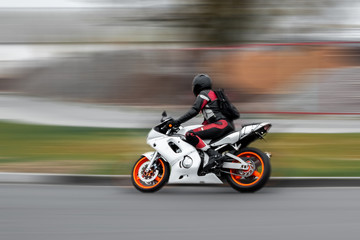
[201, 82]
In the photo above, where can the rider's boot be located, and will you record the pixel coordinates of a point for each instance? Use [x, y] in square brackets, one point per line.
[215, 159]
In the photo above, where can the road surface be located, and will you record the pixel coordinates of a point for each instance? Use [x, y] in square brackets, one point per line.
[43, 212]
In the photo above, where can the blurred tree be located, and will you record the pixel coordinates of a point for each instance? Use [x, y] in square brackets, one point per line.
[236, 21]
[218, 22]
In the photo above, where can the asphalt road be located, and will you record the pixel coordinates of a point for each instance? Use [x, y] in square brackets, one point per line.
[84, 212]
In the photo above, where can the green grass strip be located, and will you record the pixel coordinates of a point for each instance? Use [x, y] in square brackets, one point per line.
[85, 150]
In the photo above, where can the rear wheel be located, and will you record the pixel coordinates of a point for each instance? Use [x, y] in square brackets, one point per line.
[152, 180]
[256, 176]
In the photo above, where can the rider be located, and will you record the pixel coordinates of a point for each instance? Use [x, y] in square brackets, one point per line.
[215, 124]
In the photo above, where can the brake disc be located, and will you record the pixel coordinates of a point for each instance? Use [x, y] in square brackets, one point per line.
[250, 171]
[147, 176]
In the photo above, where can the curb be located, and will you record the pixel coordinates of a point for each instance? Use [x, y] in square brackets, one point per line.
[314, 182]
[124, 180]
[45, 178]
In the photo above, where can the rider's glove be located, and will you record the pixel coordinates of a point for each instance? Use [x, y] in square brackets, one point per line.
[177, 123]
[174, 123]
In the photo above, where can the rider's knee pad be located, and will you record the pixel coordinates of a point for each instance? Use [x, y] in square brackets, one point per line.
[191, 138]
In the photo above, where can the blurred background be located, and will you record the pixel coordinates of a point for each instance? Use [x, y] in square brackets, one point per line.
[101, 72]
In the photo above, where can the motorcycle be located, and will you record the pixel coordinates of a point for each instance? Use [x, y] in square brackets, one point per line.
[175, 161]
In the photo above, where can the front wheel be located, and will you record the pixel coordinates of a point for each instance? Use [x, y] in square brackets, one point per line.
[152, 180]
[256, 176]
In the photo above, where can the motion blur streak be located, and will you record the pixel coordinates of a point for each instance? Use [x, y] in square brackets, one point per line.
[127, 52]
[300, 79]
[94, 73]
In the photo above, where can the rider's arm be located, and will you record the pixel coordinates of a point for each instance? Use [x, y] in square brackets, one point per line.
[199, 104]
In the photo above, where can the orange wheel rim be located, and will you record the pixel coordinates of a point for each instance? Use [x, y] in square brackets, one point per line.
[256, 175]
[156, 181]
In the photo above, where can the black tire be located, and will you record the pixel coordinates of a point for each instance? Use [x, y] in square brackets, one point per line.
[259, 177]
[161, 179]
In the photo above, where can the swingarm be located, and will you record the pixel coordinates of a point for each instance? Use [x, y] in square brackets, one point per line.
[242, 165]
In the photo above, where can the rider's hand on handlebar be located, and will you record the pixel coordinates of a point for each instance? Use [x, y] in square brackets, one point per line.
[173, 123]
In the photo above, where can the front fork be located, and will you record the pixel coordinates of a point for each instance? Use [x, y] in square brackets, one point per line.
[154, 157]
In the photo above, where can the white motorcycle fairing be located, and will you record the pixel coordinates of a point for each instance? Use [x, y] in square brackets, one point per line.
[183, 158]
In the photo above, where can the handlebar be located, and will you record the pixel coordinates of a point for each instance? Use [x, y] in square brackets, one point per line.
[169, 127]
[166, 126]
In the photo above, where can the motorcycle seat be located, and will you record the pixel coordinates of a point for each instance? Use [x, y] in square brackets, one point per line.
[229, 138]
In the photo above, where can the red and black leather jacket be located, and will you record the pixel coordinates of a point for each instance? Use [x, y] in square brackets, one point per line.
[206, 102]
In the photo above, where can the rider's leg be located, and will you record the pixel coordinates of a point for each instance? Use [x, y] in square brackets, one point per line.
[214, 157]
[209, 131]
